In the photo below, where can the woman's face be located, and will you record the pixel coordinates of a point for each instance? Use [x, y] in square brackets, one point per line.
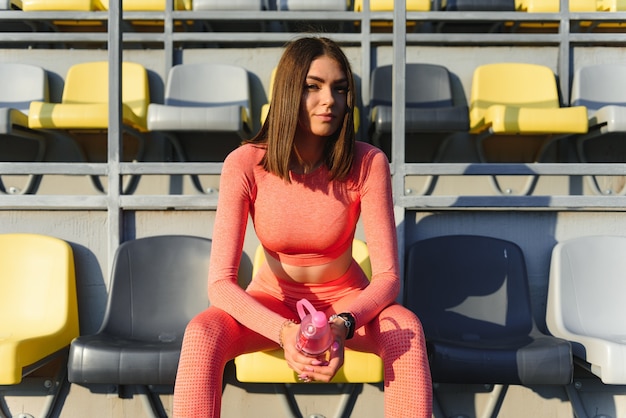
[324, 98]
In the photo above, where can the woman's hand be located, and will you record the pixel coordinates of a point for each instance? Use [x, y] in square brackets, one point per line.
[308, 368]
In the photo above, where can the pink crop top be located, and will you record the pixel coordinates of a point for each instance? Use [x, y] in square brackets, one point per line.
[309, 221]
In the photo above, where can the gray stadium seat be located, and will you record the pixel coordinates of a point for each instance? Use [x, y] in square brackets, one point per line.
[206, 105]
[158, 284]
[471, 294]
[20, 84]
[430, 106]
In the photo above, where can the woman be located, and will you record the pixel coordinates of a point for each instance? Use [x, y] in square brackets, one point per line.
[305, 182]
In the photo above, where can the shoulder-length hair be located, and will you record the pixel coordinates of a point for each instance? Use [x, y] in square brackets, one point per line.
[279, 129]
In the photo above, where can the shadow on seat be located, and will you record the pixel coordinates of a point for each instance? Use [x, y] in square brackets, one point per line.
[471, 294]
[20, 84]
[271, 367]
[157, 285]
[83, 113]
[38, 310]
[206, 109]
[515, 115]
[602, 90]
[432, 113]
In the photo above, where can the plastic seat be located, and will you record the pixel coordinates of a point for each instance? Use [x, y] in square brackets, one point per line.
[84, 107]
[471, 294]
[431, 109]
[158, 284]
[517, 105]
[585, 295]
[20, 84]
[581, 6]
[61, 5]
[271, 367]
[387, 6]
[147, 5]
[602, 90]
[38, 307]
[210, 102]
[475, 6]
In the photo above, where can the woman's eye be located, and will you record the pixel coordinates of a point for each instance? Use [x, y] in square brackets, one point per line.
[342, 89]
[311, 87]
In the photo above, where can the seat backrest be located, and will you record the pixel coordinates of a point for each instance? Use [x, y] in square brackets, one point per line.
[360, 253]
[596, 86]
[587, 276]
[88, 83]
[480, 5]
[427, 86]
[387, 5]
[468, 288]
[37, 286]
[158, 285]
[512, 84]
[227, 4]
[553, 6]
[207, 84]
[146, 5]
[20, 84]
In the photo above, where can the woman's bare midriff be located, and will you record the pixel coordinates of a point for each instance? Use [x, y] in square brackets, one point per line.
[311, 274]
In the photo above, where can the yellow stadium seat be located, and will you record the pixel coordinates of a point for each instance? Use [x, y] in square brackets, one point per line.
[147, 5]
[84, 107]
[38, 308]
[517, 104]
[387, 6]
[271, 367]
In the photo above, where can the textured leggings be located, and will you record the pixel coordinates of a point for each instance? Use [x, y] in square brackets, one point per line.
[213, 338]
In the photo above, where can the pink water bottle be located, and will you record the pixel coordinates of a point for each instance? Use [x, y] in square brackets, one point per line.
[315, 336]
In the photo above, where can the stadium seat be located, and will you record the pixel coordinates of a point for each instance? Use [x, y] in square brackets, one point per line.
[475, 6]
[205, 103]
[581, 6]
[158, 284]
[271, 367]
[387, 6]
[84, 107]
[431, 110]
[147, 5]
[585, 303]
[515, 110]
[61, 5]
[602, 90]
[240, 25]
[471, 294]
[20, 84]
[38, 308]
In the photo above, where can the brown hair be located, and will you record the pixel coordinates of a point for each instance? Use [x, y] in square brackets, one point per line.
[279, 129]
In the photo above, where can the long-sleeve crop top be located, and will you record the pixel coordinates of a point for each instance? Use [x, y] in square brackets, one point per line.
[309, 221]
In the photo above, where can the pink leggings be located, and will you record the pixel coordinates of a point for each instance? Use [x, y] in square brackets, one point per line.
[213, 338]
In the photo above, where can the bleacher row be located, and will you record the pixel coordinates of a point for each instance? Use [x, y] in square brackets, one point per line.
[531, 6]
[508, 103]
[186, 21]
[471, 293]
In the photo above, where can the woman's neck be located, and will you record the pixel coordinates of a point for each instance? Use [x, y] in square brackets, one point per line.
[307, 156]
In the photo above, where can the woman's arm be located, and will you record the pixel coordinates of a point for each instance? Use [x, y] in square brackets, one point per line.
[236, 191]
[380, 233]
